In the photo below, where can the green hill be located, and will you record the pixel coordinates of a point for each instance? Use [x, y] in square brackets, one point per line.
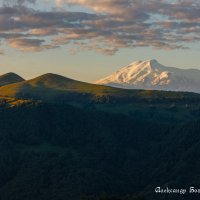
[51, 86]
[154, 105]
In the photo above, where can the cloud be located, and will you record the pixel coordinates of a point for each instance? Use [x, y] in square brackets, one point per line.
[29, 45]
[103, 26]
[17, 2]
[1, 52]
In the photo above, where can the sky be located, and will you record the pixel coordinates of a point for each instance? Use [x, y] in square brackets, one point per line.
[89, 39]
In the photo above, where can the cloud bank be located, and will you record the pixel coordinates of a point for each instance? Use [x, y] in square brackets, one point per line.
[103, 26]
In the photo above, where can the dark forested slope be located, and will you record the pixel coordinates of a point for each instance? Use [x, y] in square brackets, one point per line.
[59, 152]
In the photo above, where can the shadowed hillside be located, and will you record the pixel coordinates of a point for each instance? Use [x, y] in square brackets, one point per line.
[59, 151]
[10, 78]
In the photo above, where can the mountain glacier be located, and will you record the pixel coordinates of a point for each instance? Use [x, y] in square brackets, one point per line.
[151, 75]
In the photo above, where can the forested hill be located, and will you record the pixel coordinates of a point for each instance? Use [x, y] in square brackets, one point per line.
[59, 152]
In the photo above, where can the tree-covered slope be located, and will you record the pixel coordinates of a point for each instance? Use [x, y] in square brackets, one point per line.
[51, 152]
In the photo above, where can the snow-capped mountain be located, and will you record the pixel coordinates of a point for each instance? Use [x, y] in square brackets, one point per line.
[151, 75]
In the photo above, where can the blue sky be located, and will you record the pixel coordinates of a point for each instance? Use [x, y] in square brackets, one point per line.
[89, 39]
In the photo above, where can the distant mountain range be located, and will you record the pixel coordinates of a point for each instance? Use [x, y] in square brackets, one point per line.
[52, 87]
[151, 75]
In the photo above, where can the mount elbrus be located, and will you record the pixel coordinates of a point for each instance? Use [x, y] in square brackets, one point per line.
[151, 75]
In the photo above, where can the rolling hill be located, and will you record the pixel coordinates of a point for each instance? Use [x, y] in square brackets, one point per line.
[51, 87]
[10, 78]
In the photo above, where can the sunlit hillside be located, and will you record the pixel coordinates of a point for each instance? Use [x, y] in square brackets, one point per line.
[48, 86]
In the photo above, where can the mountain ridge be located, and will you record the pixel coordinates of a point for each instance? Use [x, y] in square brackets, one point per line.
[51, 87]
[152, 75]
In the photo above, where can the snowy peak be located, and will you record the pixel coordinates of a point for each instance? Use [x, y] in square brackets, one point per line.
[152, 75]
[149, 63]
[136, 72]
[153, 62]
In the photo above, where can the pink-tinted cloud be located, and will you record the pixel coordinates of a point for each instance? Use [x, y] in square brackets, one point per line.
[108, 26]
[27, 45]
